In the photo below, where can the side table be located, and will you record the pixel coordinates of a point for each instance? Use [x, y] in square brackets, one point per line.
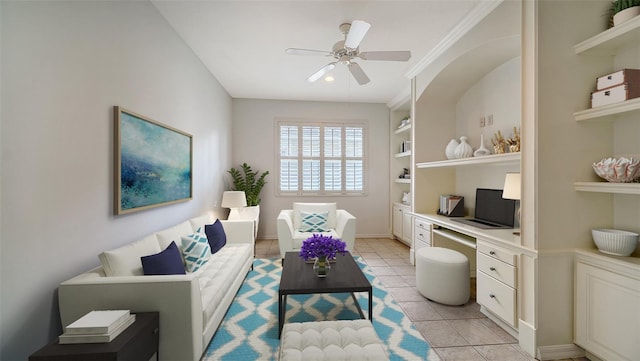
[138, 342]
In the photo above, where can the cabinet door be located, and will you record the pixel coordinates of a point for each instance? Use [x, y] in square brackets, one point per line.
[407, 226]
[607, 318]
[397, 221]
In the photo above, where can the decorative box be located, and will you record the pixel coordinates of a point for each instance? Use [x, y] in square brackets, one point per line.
[615, 94]
[631, 76]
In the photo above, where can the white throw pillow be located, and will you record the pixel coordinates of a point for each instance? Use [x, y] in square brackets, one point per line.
[125, 261]
[330, 208]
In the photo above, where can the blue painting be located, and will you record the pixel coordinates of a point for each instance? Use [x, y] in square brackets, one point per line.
[153, 163]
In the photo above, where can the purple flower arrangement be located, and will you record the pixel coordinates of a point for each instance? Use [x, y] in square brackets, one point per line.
[318, 246]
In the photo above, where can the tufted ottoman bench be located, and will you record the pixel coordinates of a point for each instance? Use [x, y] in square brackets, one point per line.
[331, 340]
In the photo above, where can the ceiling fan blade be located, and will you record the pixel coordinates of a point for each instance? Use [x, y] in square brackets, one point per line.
[386, 55]
[356, 33]
[295, 51]
[358, 73]
[318, 74]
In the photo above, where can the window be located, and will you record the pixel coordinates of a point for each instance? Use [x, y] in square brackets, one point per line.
[321, 158]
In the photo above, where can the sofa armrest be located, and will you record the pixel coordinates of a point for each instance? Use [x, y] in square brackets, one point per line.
[177, 299]
[239, 230]
[285, 231]
[346, 228]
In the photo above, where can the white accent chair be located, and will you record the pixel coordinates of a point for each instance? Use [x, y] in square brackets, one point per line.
[339, 224]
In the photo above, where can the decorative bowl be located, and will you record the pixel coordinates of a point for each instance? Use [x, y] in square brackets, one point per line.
[622, 170]
[615, 242]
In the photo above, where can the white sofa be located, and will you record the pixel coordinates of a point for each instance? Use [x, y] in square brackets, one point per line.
[339, 224]
[191, 306]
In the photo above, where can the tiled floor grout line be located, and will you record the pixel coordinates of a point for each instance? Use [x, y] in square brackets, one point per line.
[443, 327]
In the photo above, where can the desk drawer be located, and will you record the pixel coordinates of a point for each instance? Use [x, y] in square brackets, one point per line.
[497, 269]
[497, 253]
[497, 297]
[422, 232]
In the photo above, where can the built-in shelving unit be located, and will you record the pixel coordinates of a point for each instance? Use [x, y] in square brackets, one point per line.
[502, 159]
[605, 112]
[615, 48]
[605, 187]
[401, 158]
[609, 41]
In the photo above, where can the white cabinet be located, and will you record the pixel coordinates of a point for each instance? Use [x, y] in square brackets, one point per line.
[607, 294]
[496, 282]
[402, 222]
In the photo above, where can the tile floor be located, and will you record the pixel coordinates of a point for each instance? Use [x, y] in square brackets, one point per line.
[454, 332]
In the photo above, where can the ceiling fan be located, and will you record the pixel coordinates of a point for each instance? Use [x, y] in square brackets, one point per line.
[344, 51]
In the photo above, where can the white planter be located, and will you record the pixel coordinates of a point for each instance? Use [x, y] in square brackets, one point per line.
[626, 14]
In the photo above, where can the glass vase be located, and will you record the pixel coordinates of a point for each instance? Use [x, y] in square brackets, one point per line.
[321, 267]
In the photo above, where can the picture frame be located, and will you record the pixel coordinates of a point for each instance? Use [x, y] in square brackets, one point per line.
[153, 163]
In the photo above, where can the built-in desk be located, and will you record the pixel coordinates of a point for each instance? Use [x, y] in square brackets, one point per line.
[493, 259]
[462, 233]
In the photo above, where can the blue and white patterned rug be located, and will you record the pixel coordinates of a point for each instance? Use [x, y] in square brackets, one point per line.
[249, 330]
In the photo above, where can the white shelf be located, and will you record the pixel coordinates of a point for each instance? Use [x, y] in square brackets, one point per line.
[606, 187]
[506, 158]
[402, 181]
[403, 154]
[602, 113]
[608, 41]
[403, 129]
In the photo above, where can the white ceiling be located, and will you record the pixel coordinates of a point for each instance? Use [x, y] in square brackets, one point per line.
[243, 43]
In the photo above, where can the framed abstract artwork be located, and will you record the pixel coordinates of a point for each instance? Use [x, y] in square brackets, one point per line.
[153, 163]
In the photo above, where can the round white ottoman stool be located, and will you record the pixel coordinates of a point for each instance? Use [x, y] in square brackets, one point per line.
[442, 275]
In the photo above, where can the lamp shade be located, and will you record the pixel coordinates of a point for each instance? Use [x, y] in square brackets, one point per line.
[234, 199]
[511, 188]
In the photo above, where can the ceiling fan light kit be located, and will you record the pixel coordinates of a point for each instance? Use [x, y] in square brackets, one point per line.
[344, 51]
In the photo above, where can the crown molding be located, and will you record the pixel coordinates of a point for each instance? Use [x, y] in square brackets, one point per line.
[479, 12]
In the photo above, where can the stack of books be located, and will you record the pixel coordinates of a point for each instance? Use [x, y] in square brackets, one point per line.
[97, 327]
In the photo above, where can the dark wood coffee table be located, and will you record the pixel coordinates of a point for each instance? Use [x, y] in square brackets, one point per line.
[298, 278]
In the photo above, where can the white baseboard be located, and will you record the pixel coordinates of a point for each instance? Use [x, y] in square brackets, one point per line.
[527, 337]
[505, 326]
[559, 352]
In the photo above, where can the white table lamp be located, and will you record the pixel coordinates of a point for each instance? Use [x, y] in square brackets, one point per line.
[511, 190]
[233, 200]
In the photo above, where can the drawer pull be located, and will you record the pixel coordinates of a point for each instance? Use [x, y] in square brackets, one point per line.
[492, 253]
[421, 235]
[492, 268]
[491, 295]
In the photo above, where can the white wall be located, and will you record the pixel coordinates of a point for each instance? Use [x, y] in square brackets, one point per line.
[254, 142]
[64, 65]
[497, 93]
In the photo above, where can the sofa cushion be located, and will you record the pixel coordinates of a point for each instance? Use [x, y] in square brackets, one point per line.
[174, 234]
[167, 262]
[299, 237]
[313, 222]
[330, 208]
[125, 260]
[217, 276]
[195, 250]
[215, 235]
[200, 221]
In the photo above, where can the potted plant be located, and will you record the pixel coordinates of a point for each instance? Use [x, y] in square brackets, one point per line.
[249, 182]
[623, 10]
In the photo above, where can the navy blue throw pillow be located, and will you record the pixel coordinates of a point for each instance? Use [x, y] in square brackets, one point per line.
[167, 262]
[215, 235]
